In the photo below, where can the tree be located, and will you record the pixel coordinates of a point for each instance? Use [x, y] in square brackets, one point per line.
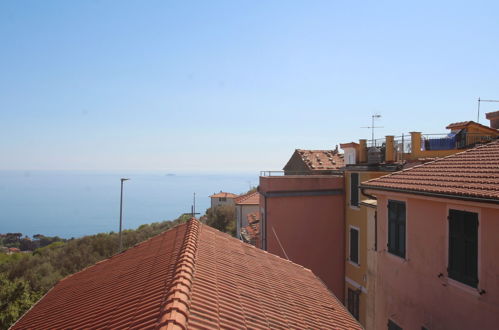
[16, 298]
[222, 218]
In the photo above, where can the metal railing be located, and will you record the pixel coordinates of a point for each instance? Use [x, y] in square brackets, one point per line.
[285, 173]
[376, 143]
[461, 140]
[271, 173]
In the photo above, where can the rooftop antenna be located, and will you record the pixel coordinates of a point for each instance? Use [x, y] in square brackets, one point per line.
[193, 208]
[194, 205]
[372, 127]
[478, 114]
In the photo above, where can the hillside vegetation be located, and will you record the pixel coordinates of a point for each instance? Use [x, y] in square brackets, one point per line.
[26, 277]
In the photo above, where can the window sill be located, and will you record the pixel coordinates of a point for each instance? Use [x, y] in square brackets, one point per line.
[354, 264]
[463, 287]
[396, 256]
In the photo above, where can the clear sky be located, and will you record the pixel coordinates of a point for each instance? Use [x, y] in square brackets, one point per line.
[232, 85]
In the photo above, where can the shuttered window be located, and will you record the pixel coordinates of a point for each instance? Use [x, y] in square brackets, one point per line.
[396, 228]
[354, 245]
[354, 302]
[393, 326]
[354, 189]
[463, 247]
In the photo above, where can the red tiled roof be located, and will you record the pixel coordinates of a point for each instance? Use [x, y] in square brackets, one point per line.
[349, 145]
[224, 194]
[251, 232]
[191, 276]
[459, 124]
[248, 199]
[319, 160]
[492, 115]
[467, 123]
[472, 174]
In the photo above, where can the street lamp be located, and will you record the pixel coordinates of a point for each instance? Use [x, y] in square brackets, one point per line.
[121, 211]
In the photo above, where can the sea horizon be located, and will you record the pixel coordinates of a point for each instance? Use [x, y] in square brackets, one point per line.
[75, 203]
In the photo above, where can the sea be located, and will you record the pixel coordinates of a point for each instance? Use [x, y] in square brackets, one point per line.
[78, 203]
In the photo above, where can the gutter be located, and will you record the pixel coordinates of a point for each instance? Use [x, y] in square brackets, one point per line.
[430, 194]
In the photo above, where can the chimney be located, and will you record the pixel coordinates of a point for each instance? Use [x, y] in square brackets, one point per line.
[362, 150]
[494, 119]
[389, 149]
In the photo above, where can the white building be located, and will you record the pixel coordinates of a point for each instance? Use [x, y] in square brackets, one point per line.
[246, 204]
[222, 199]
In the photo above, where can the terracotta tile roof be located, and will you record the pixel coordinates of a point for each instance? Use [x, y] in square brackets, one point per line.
[251, 232]
[349, 145]
[317, 160]
[459, 124]
[472, 174]
[248, 199]
[492, 115]
[463, 124]
[191, 276]
[224, 194]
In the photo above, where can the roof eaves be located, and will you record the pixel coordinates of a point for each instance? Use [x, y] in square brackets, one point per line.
[175, 308]
[433, 194]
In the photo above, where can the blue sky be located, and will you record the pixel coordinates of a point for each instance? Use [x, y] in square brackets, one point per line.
[232, 85]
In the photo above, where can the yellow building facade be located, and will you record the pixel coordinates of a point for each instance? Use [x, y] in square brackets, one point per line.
[363, 163]
[358, 245]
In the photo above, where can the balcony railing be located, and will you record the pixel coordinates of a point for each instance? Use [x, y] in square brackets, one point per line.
[305, 172]
[461, 140]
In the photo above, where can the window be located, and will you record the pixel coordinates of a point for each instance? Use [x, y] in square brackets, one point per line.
[354, 189]
[353, 302]
[393, 326]
[396, 228]
[354, 245]
[222, 199]
[463, 247]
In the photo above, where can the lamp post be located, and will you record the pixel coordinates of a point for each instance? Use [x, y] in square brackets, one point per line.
[121, 211]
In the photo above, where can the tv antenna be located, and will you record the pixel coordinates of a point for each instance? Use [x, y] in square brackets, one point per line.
[193, 207]
[478, 114]
[372, 127]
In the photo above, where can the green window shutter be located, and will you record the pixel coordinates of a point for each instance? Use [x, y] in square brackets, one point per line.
[354, 245]
[463, 247]
[354, 189]
[396, 228]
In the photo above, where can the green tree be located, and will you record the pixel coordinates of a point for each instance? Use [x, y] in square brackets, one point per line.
[222, 218]
[16, 297]
[24, 277]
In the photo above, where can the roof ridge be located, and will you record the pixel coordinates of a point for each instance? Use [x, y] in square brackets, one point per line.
[175, 308]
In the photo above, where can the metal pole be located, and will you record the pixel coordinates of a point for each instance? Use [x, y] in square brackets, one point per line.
[478, 115]
[121, 213]
[372, 131]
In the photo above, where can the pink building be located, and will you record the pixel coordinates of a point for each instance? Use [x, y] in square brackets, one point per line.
[437, 242]
[302, 219]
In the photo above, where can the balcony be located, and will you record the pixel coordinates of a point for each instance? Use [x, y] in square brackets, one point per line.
[415, 145]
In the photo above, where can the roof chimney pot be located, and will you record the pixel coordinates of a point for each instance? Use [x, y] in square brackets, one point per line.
[494, 119]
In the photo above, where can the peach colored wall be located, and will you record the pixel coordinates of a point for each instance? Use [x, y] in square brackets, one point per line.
[409, 291]
[310, 228]
[300, 182]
